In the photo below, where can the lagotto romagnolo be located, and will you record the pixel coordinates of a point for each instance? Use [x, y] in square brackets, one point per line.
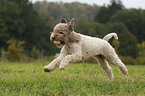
[77, 47]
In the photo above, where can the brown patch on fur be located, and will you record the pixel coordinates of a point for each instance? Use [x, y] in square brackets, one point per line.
[71, 24]
[74, 38]
[64, 33]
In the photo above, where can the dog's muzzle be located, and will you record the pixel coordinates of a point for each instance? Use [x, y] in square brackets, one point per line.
[59, 44]
[57, 41]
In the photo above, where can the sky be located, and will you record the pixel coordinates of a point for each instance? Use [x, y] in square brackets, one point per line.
[127, 3]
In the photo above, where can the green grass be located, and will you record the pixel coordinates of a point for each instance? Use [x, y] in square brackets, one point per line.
[29, 79]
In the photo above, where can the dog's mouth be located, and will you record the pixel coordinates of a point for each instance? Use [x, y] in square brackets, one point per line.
[59, 43]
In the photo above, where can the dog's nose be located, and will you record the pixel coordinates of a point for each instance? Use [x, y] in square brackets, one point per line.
[52, 38]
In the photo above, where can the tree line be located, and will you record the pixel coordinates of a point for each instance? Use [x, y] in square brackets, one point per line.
[20, 20]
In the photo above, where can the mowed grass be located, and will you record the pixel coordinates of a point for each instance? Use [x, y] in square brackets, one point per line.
[29, 79]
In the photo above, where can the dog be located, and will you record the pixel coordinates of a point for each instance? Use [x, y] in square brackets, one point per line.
[77, 47]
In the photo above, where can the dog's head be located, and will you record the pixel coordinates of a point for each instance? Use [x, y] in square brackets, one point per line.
[62, 33]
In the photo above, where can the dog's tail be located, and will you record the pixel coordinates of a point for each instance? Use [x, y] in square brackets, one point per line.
[108, 36]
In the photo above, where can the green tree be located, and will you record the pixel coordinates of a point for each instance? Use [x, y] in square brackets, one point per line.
[4, 35]
[134, 20]
[102, 15]
[20, 21]
[83, 26]
[115, 6]
[105, 13]
[67, 10]
[116, 43]
[100, 29]
[141, 48]
[35, 53]
[128, 42]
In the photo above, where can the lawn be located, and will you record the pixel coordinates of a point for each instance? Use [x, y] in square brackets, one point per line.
[29, 79]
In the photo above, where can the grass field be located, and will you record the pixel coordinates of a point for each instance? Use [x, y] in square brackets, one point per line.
[29, 79]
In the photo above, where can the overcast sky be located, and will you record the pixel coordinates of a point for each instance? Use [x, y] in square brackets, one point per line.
[127, 3]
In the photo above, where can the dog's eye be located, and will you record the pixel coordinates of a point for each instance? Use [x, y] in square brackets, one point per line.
[60, 32]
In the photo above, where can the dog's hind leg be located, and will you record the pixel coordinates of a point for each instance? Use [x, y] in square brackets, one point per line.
[114, 60]
[105, 66]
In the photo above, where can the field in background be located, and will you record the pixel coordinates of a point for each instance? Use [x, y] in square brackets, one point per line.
[29, 79]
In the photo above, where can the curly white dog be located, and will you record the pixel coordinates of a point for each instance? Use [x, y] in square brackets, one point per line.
[76, 47]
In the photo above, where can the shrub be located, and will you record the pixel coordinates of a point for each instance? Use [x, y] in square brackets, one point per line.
[141, 48]
[140, 60]
[15, 50]
[128, 60]
[131, 61]
[35, 53]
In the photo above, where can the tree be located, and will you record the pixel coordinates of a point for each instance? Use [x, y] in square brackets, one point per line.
[115, 6]
[83, 26]
[102, 15]
[21, 22]
[116, 43]
[141, 48]
[35, 53]
[100, 30]
[4, 35]
[67, 10]
[128, 42]
[105, 13]
[134, 20]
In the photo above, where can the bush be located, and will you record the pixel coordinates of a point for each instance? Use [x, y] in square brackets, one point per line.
[15, 50]
[128, 60]
[131, 61]
[125, 60]
[35, 53]
[141, 49]
[140, 60]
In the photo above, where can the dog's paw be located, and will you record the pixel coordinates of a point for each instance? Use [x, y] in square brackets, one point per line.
[46, 69]
[62, 67]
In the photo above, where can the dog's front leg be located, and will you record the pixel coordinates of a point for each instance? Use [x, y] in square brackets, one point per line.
[69, 58]
[75, 56]
[53, 65]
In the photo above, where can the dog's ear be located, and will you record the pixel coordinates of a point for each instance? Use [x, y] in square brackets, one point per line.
[71, 24]
[63, 20]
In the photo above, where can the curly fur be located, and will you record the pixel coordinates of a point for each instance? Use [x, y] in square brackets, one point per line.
[76, 47]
